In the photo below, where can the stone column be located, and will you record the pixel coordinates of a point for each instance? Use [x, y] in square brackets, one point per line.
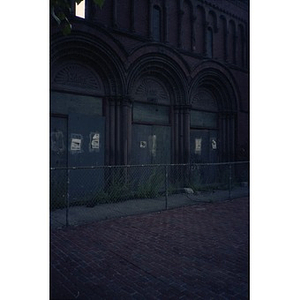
[176, 134]
[126, 125]
[222, 136]
[232, 137]
[165, 23]
[181, 134]
[193, 33]
[111, 132]
[186, 133]
[226, 45]
[235, 39]
[205, 28]
[107, 128]
[180, 17]
[118, 125]
[228, 136]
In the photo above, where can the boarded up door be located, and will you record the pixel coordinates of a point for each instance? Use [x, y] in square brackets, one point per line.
[59, 141]
[204, 149]
[86, 150]
[58, 160]
[77, 142]
[151, 144]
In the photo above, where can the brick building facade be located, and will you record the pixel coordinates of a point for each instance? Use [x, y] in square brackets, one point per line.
[151, 81]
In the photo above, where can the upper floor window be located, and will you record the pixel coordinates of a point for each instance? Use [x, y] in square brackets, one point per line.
[209, 42]
[80, 9]
[156, 24]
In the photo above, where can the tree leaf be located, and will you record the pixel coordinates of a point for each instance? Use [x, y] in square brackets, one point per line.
[67, 29]
[61, 8]
[99, 2]
[61, 16]
[56, 18]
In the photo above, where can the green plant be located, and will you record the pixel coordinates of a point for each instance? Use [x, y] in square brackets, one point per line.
[95, 198]
[151, 187]
[118, 192]
[58, 194]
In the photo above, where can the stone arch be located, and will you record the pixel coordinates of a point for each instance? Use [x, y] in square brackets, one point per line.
[204, 99]
[97, 60]
[157, 85]
[214, 97]
[149, 89]
[83, 56]
[76, 77]
[221, 81]
[159, 68]
[219, 85]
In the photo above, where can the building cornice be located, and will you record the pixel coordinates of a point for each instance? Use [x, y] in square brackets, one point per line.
[222, 10]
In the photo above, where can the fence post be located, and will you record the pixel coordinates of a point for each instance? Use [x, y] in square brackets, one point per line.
[166, 185]
[68, 199]
[230, 181]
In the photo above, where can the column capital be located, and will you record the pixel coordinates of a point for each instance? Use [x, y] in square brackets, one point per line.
[127, 101]
[183, 106]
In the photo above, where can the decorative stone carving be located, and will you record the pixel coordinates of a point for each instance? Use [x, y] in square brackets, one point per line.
[204, 100]
[78, 77]
[150, 90]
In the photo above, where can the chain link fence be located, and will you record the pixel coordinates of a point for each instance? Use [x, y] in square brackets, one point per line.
[87, 194]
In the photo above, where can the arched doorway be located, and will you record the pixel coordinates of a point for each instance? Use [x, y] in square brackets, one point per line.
[204, 129]
[151, 129]
[212, 126]
[213, 112]
[85, 80]
[77, 130]
[156, 86]
[77, 121]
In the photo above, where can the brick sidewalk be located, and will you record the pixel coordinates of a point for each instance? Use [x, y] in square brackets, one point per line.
[195, 252]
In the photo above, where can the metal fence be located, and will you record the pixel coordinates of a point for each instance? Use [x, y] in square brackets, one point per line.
[86, 194]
